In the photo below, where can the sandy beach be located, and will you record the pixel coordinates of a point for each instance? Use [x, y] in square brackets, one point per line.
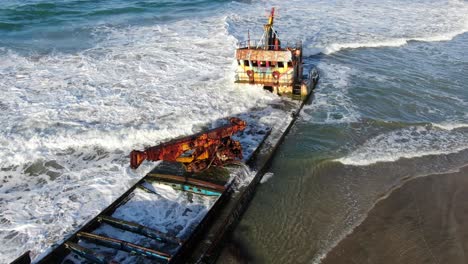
[424, 221]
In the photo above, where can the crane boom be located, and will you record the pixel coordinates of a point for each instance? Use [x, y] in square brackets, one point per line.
[199, 151]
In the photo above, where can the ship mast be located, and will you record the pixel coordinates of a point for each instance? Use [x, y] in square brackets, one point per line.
[270, 38]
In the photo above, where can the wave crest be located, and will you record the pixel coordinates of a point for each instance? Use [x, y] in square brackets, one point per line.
[409, 142]
[397, 42]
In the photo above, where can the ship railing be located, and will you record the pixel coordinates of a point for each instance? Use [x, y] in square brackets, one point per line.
[264, 78]
[253, 44]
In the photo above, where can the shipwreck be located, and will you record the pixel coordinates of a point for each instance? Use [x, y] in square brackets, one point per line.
[276, 66]
[182, 210]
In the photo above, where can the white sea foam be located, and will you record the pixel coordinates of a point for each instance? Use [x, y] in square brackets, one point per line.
[267, 176]
[450, 125]
[396, 42]
[333, 103]
[328, 27]
[407, 143]
[73, 118]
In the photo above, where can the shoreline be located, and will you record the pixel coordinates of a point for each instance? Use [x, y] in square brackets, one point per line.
[417, 222]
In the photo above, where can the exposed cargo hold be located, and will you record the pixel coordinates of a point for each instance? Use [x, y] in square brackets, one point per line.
[158, 219]
[276, 66]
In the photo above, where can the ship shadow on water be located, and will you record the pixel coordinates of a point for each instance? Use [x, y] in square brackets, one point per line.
[239, 250]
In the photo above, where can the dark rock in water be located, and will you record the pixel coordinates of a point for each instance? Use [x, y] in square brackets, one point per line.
[73, 197]
[4, 221]
[35, 169]
[53, 175]
[11, 235]
[53, 164]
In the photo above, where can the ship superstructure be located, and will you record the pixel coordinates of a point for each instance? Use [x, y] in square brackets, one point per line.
[278, 67]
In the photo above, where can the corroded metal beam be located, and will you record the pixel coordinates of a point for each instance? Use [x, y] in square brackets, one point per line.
[86, 253]
[197, 152]
[124, 245]
[139, 229]
[186, 180]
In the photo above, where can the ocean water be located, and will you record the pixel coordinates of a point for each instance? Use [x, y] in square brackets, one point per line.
[84, 82]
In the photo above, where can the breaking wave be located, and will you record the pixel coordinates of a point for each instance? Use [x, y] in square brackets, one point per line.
[327, 27]
[398, 42]
[450, 125]
[333, 105]
[411, 142]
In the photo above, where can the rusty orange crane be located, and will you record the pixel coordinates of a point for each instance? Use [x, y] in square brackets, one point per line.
[197, 152]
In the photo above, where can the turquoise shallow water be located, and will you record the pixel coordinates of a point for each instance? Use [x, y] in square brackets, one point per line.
[84, 82]
[70, 25]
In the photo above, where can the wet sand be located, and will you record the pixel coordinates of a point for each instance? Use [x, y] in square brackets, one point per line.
[424, 221]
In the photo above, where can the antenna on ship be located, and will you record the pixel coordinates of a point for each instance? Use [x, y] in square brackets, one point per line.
[270, 38]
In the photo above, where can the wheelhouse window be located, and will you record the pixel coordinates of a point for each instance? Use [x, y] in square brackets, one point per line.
[262, 63]
[254, 64]
[280, 64]
[290, 64]
[246, 63]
